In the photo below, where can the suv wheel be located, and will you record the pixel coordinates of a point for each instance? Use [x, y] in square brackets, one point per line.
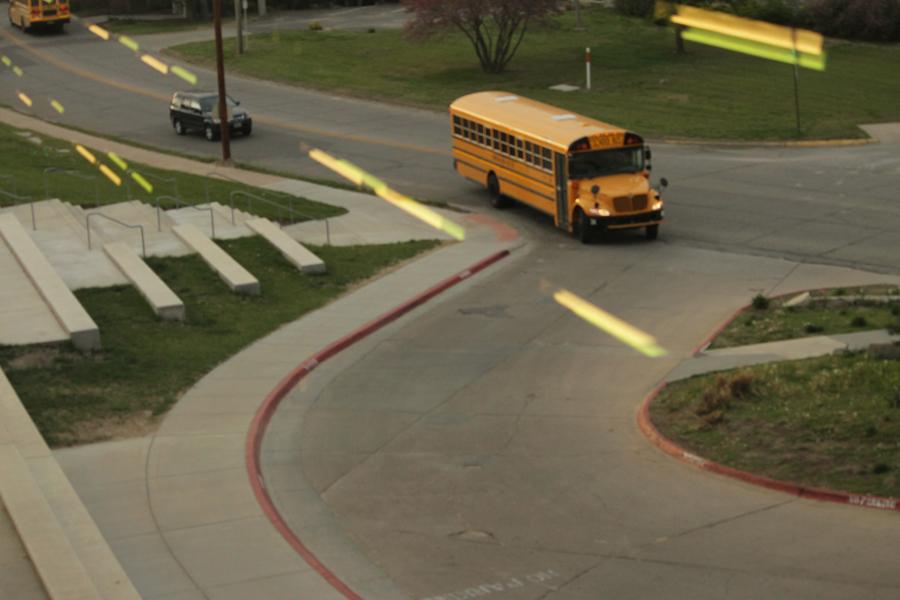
[179, 128]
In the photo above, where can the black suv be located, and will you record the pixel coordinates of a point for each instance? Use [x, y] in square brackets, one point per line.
[200, 111]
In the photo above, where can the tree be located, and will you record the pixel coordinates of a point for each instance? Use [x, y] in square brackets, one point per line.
[495, 27]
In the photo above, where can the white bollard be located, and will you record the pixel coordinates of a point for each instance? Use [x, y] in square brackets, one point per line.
[587, 66]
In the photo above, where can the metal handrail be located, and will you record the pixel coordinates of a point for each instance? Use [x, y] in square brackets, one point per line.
[289, 208]
[70, 173]
[17, 198]
[195, 206]
[172, 180]
[123, 224]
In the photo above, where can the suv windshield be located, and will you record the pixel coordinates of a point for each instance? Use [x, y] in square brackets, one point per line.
[209, 103]
[585, 165]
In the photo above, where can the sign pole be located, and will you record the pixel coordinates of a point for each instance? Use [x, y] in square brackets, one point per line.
[796, 78]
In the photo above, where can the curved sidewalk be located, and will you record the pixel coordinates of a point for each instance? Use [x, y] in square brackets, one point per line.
[178, 507]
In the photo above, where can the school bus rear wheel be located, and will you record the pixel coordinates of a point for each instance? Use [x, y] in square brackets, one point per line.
[652, 232]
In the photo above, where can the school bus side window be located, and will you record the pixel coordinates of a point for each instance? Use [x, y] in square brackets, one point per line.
[457, 125]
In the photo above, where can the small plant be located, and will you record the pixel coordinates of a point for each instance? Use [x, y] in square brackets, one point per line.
[839, 292]
[871, 431]
[895, 310]
[315, 26]
[893, 401]
[760, 302]
[859, 321]
[813, 328]
[880, 468]
[370, 30]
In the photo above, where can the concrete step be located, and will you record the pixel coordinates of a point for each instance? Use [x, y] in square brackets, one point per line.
[24, 316]
[199, 216]
[162, 300]
[158, 237]
[232, 273]
[296, 254]
[61, 571]
[62, 238]
[31, 479]
[74, 320]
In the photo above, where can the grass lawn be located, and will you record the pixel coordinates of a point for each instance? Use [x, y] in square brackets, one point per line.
[827, 422]
[25, 160]
[146, 363]
[150, 26]
[842, 312]
[638, 80]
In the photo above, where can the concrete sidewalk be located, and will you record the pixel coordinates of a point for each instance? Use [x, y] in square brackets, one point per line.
[796, 349]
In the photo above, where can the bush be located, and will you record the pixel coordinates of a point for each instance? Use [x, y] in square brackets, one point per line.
[315, 26]
[783, 12]
[873, 20]
[859, 321]
[635, 8]
[760, 302]
[813, 328]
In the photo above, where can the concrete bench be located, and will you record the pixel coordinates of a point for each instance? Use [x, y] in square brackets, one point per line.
[233, 274]
[68, 552]
[75, 321]
[292, 250]
[162, 300]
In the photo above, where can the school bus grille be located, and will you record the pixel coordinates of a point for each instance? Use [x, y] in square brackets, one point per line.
[630, 203]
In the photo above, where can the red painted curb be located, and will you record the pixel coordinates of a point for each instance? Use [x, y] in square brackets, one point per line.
[672, 448]
[273, 399]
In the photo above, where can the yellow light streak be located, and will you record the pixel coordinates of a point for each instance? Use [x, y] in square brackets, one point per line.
[57, 106]
[423, 213]
[85, 153]
[129, 43]
[118, 160]
[17, 70]
[184, 74]
[23, 97]
[110, 174]
[405, 203]
[99, 32]
[148, 187]
[341, 167]
[155, 64]
[802, 40]
[619, 329]
[6, 60]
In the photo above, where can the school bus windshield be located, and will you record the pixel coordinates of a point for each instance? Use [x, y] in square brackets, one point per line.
[598, 163]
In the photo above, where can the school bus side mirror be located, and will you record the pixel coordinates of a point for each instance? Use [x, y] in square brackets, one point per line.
[647, 154]
[663, 183]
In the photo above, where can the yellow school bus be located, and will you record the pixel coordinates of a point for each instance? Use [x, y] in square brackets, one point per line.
[590, 176]
[26, 14]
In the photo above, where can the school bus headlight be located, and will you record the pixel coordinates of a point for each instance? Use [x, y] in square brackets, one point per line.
[600, 212]
[657, 205]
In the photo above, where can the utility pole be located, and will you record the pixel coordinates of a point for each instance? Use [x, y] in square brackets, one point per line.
[220, 72]
[239, 23]
[578, 25]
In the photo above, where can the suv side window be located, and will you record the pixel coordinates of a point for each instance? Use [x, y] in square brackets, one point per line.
[193, 105]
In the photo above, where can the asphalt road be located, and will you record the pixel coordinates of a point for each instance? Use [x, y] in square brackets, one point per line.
[824, 205]
[490, 443]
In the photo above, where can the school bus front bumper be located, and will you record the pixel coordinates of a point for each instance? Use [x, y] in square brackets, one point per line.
[627, 221]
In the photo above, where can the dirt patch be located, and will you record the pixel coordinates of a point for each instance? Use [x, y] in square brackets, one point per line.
[109, 429]
[36, 358]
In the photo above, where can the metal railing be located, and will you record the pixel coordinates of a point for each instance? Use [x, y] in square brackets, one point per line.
[170, 180]
[289, 209]
[71, 173]
[15, 197]
[87, 226]
[196, 206]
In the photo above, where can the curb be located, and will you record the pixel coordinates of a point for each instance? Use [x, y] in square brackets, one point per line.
[672, 448]
[273, 400]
